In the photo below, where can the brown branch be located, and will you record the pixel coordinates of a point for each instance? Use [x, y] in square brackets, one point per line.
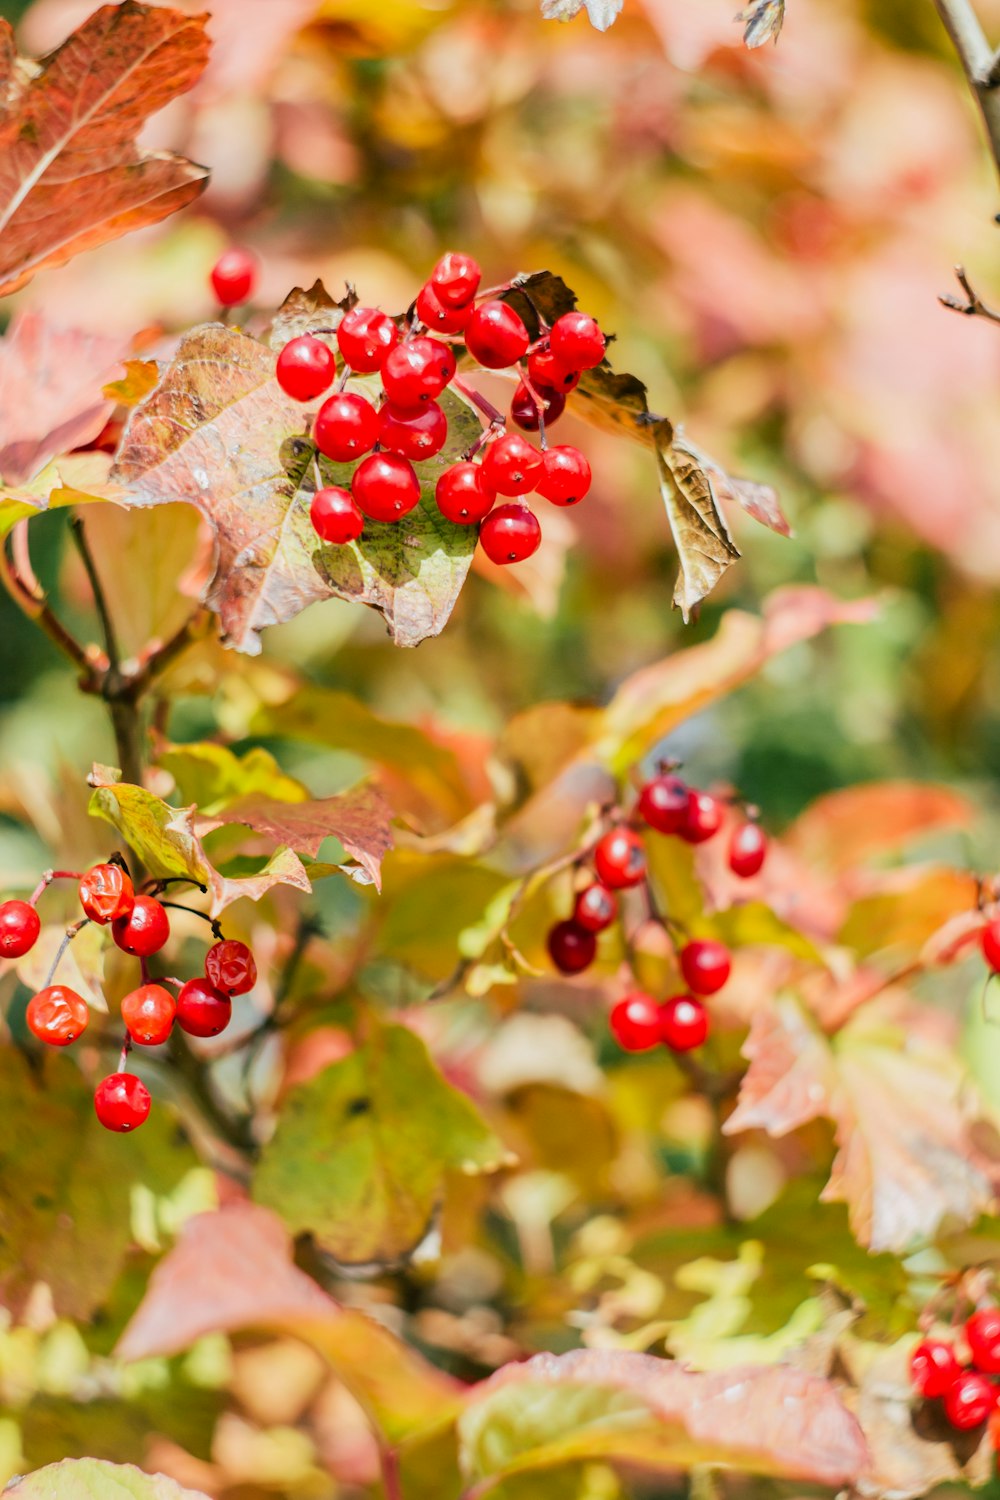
[18, 577]
[973, 305]
[980, 63]
[161, 655]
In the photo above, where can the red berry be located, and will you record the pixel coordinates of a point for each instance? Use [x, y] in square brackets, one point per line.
[706, 965]
[969, 1400]
[231, 968]
[595, 908]
[703, 819]
[524, 412]
[385, 487]
[989, 940]
[747, 849]
[683, 1023]
[495, 336]
[415, 434]
[144, 931]
[305, 368]
[106, 893]
[234, 276]
[933, 1367]
[571, 948]
[19, 928]
[202, 1010]
[148, 1013]
[346, 426]
[511, 465]
[565, 476]
[437, 315]
[510, 533]
[456, 278]
[982, 1331]
[335, 517]
[663, 804]
[121, 1102]
[461, 495]
[417, 372]
[57, 1015]
[635, 1022]
[576, 341]
[545, 369]
[620, 859]
[365, 336]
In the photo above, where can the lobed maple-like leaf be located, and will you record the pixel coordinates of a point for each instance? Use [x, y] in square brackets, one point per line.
[71, 174]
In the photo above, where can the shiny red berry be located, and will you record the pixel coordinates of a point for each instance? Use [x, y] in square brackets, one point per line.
[747, 850]
[565, 476]
[461, 495]
[438, 316]
[703, 819]
[346, 426]
[571, 948]
[663, 804]
[933, 1367]
[19, 928]
[511, 465]
[57, 1015]
[365, 337]
[234, 276]
[414, 434]
[524, 411]
[969, 1400]
[148, 1013]
[620, 859]
[106, 893]
[576, 341]
[202, 1010]
[989, 940]
[417, 372]
[230, 966]
[982, 1332]
[595, 908]
[635, 1022]
[495, 336]
[335, 517]
[510, 533]
[456, 278]
[545, 369]
[305, 368]
[683, 1023]
[706, 965]
[385, 487]
[122, 1102]
[144, 931]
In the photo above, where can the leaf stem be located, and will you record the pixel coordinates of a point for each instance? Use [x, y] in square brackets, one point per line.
[22, 585]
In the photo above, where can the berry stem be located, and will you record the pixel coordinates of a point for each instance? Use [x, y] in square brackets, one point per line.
[539, 406]
[482, 403]
[126, 1049]
[213, 922]
[68, 937]
[47, 879]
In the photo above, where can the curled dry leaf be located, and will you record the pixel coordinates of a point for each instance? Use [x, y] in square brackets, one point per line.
[762, 21]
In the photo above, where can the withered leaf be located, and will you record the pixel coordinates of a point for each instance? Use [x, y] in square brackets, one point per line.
[308, 312]
[762, 21]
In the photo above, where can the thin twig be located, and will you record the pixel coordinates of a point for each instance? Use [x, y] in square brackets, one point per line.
[979, 63]
[100, 599]
[68, 937]
[973, 306]
[156, 659]
[19, 579]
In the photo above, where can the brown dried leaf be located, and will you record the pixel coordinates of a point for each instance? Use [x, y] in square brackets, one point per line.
[308, 312]
[762, 22]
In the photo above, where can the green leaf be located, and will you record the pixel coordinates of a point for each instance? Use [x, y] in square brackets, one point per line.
[213, 777]
[73, 480]
[94, 1479]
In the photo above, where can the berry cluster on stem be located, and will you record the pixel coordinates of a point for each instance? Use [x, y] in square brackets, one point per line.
[962, 1371]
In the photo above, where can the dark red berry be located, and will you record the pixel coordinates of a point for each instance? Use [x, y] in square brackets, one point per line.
[511, 465]
[683, 1023]
[495, 336]
[437, 315]
[545, 369]
[571, 948]
[335, 517]
[510, 533]
[461, 495]
[456, 278]
[414, 434]
[106, 893]
[969, 1400]
[234, 276]
[663, 804]
[385, 487]
[635, 1022]
[417, 372]
[19, 928]
[982, 1331]
[706, 965]
[122, 1102]
[747, 849]
[231, 968]
[620, 859]
[305, 368]
[704, 817]
[565, 476]
[202, 1010]
[524, 411]
[148, 1013]
[933, 1367]
[57, 1015]
[365, 336]
[576, 341]
[346, 426]
[144, 931]
[595, 908]
[989, 940]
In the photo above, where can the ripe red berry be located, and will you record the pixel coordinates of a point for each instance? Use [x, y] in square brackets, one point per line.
[305, 368]
[461, 495]
[663, 804]
[565, 476]
[417, 372]
[576, 341]
[595, 908]
[989, 940]
[230, 966]
[683, 1023]
[365, 336]
[19, 928]
[346, 426]
[385, 487]
[635, 1022]
[495, 336]
[106, 893]
[121, 1102]
[144, 931]
[524, 412]
[510, 533]
[57, 1015]
[202, 1010]
[335, 517]
[933, 1367]
[703, 819]
[415, 434]
[456, 278]
[969, 1400]
[571, 948]
[148, 1013]
[706, 965]
[545, 369]
[438, 316]
[511, 465]
[234, 276]
[747, 849]
[620, 859]
[982, 1331]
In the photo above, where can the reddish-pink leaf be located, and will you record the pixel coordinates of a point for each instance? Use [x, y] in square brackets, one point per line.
[847, 827]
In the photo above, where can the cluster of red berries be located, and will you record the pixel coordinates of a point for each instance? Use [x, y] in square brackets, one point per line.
[406, 425]
[139, 926]
[962, 1375]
